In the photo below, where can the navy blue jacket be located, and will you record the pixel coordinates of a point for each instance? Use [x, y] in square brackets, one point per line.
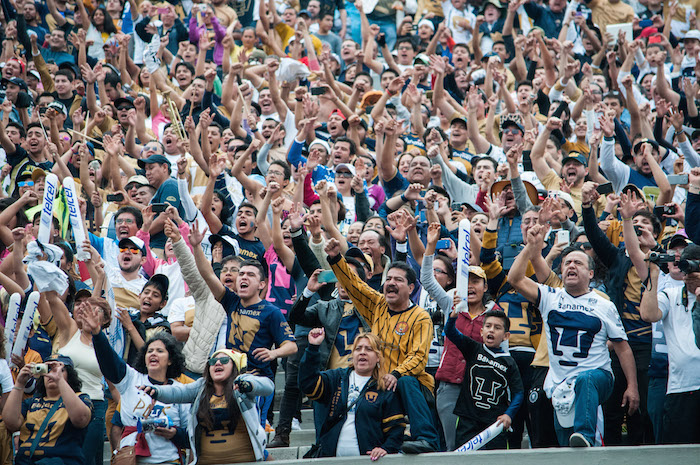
[379, 420]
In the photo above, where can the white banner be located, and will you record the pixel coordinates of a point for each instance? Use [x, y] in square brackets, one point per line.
[11, 323]
[481, 439]
[74, 217]
[50, 190]
[26, 325]
[463, 251]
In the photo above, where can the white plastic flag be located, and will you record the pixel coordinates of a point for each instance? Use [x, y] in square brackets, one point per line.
[481, 439]
[26, 325]
[50, 189]
[74, 217]
[463, 251]
[11, 322]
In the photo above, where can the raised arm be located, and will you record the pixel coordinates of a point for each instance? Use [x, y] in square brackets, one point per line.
[203, 265]
[517, 274]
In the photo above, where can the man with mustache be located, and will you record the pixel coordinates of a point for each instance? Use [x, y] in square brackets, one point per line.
[406, 330]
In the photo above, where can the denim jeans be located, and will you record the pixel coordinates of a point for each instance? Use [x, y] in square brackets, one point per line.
[593, 387]
[95, 435]
[655, 405]
[420, 416]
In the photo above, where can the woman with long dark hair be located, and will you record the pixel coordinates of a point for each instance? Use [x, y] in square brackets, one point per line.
[158, 363]
[366, 418]
[224, 425]
[57, 404]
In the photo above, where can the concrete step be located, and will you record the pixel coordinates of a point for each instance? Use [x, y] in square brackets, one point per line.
[305, 437]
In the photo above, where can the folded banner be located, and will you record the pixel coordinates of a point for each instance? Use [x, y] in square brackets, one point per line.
[463, 252]
[50, 189]
[26, 326]
[481, 439]
[74, 218]
[11, 323]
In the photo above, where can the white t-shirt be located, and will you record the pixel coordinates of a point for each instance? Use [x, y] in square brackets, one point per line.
[577, 331]
[683, 354]
[137, 404]
[347, 441]
[178, 309]
[6, 381]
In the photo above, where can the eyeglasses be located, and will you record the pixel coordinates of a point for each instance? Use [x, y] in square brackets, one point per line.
[133, 250]
[585, 245]
[512, 131]
[124, 221]
[439, 271]
[223, 360]
[25, 183]
[343, 174]
[275, 173]
[405, 48]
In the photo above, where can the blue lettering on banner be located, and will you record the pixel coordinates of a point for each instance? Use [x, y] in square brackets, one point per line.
[48, 199]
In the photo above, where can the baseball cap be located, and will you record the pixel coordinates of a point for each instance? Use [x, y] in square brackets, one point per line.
[680, 238]
[155, 158]
[478, 271]
[66, 360]
[133, 240]
[160, 281]
[346, 166]
[645, 141]
[59, 107]
[124, 100]
[421, 57]
[83, 293]
[426, 22]
[38, 173]
[461, 118]
[16, 81]
[574, 156]
[354, 252]
[693, 34]
[511, 122]
[138, 179]
[231, 246]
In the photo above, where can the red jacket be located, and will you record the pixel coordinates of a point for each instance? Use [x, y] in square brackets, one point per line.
[452, 364]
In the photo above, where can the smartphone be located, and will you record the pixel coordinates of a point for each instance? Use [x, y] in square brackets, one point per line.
[678, 179]
[115, 197]
[605, 188]
[327, 276]
[667, 210]
[443, 244]
[318, 90]
[563, 236]
[159, 207]
[456, 207]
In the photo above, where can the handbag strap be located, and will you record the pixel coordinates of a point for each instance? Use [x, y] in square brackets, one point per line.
[334, 421]
[37, 438]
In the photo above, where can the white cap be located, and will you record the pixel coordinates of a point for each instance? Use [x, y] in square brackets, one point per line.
[346, 166]
[693, 34]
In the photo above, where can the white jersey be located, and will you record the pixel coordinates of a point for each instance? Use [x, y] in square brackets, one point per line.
[137, 404]
[683, 354]
[577, 331]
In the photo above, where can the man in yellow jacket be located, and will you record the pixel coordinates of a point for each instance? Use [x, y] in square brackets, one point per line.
[406, 331]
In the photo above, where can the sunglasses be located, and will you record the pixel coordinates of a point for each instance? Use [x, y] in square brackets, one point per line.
[343, 174]
[25, 183]
[224, 360]
[133, 250]
[124, 107]
[512, 131]
[585, 245]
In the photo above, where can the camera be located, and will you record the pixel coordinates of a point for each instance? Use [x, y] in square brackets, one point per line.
[658, 258]
[150, 424]
[689, 266]
[40, 369]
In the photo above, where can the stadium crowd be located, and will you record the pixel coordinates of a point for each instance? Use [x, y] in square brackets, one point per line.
[197, 195]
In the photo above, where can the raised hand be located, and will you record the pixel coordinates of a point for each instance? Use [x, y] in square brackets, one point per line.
[316, 336]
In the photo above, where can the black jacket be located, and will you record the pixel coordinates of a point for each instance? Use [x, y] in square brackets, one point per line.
[379, 420]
